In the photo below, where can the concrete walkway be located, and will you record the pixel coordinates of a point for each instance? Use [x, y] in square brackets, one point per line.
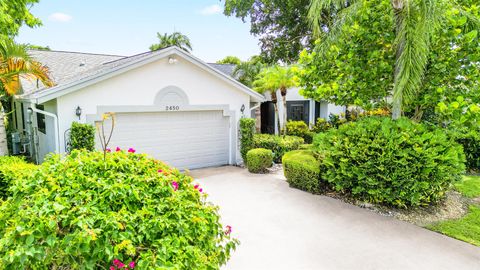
[284, 228]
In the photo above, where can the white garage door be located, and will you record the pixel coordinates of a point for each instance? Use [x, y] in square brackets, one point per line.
[185, 140]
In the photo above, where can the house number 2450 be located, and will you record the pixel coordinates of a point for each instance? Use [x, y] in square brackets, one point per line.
[172, 108]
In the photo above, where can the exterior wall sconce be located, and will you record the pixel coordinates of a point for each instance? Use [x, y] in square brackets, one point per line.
[78, 112]
[242, 109]
[172, 60]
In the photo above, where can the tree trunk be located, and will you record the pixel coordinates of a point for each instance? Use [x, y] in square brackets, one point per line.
[3, 135]
[283, 91]
[275, 105]
[398, 6]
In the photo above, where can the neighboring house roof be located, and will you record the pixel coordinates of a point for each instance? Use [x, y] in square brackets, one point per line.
[72, 71]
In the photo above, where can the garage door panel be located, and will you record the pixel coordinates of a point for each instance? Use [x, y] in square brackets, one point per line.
[181, 139]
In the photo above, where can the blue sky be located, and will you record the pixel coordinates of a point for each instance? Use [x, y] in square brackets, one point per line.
[129, 27]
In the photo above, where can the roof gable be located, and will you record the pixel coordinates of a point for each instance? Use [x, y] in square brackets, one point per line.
[102, 67]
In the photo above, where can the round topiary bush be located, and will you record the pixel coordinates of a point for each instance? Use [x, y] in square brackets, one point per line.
[259, 159]
[84, 212]
[399, 163]
[302, 170]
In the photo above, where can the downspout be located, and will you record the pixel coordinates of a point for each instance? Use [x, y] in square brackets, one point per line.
[55, 119]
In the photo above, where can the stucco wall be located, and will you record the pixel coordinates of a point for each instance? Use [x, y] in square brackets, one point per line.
[140, 87]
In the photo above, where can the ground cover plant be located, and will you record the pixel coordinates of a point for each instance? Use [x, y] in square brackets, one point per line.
[84, 212]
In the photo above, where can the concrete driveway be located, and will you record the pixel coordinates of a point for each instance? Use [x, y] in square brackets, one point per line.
[284, 228]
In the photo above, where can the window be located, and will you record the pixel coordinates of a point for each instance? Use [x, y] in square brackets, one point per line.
[41, 119]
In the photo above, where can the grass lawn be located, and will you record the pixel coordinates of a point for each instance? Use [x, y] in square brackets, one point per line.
[470, 186]
[466, 229]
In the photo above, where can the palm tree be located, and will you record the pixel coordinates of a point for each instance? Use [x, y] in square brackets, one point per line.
[246, 72]
[416, 22]
[277, 78]
[175, 39]
[15, 63]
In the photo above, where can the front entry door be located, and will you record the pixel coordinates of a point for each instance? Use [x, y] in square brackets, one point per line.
[298, 110]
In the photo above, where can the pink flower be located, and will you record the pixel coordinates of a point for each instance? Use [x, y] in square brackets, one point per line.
[200, 190]
[118, 149]
[160, 171]
[131, 150]
[131, 265]
[229, 230]
[196, 186]
[175, 186]
[121, 265]
[112, 268]
[116, 262]
[108, 150]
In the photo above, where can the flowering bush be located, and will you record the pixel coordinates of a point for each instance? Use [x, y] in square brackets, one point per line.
[84, 212]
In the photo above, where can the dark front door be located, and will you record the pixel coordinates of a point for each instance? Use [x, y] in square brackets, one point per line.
[298, 110]
[268, 117]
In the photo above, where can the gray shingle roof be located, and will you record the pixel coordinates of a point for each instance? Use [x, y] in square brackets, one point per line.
[69, 67]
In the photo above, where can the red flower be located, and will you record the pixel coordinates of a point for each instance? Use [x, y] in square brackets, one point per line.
[229, 230]
[175, 185]
[160, 171]
[118, 149]
[131, 265]
[108, 150]
[196, 186]
[131, 150]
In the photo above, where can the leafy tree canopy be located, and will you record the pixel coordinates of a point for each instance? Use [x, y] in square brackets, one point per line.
[14, 14]
[281, 25]
[358, 69]
[230, 60]
[246, 72]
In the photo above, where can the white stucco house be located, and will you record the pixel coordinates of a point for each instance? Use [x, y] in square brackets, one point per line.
[168, 104]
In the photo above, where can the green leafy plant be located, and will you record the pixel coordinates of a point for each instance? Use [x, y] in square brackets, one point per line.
[259, 159]
[82, 136]
[279, 145]
[82, 212]
[300, 129]
[302, 170]
[13, 169]
[321, 125]
[399, 163]
[470, 140]
[247, 130]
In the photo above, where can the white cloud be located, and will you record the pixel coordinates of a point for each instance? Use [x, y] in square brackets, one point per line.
[60, 17]
[211, 10]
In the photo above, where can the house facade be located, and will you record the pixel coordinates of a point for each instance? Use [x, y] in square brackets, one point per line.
[167, 103]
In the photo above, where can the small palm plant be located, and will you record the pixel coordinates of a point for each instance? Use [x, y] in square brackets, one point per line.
[16, 63]
[277, 78]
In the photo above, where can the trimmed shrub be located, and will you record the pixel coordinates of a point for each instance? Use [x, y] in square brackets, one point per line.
[259, 159]
[82, 136]
[13, 169]
[302, 170]
[321, 125]
[81, 212]
[306, 147]
[299, 129]
[277, 144]
[247, 130]
[399, 163]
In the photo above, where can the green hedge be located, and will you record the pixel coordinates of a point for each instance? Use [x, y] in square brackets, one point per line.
[82, 136]
[259, 159]
[81, 212]
[470, 140]
[302, 170]
[277, 144]
[300, 129]
[399, 163]
[247, 130]
[13, 169]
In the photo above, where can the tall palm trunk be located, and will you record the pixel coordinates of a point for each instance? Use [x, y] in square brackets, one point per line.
[3, 134]
[275, 100]
[398, 6]
[283, 91]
